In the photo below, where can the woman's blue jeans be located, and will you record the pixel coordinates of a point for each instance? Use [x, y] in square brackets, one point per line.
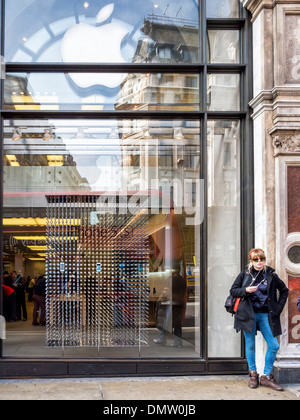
[261, 321]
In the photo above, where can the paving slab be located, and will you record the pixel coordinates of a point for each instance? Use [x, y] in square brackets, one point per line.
[49, 390]
[190, 388]
[142, 389]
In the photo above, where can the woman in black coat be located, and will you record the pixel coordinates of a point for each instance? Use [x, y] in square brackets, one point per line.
[260, 309]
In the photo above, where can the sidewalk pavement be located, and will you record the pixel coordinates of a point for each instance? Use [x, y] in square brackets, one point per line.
[178, 388]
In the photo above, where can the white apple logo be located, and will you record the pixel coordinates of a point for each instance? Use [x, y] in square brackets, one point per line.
[84, 43]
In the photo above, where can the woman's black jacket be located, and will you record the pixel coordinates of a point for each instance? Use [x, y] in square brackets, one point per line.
[244, 317]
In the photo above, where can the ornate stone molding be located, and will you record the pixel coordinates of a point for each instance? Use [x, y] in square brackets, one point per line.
[287, 143]
[261, 103]
[255, 6]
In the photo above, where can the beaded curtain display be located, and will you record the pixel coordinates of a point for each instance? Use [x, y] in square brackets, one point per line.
[97, 274]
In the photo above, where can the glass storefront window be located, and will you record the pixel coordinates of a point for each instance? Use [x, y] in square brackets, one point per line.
[97, 32]
[223, 92]
[223, 46]
[110, 211]
[223, 232]
[222, 8]
[101, 91]
[108, 204]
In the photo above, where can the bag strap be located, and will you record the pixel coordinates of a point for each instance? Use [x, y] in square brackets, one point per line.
[262, 281]
[245, 278]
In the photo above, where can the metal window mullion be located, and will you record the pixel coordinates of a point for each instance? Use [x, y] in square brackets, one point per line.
[103, 68]
[117, 115]
[225, 67]
[2, 8]
[203, 175]
[225, 23]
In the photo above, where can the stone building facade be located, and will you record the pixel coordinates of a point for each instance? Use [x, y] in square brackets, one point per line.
[276, 106]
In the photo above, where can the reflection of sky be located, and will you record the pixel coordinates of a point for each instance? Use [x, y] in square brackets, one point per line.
[221, 8]
[60, 89]
[43, 22]
[42, 25]
[97, 158]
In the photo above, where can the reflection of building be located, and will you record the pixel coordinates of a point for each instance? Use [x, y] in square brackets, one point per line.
[17, 93]
[164, 41]
[168, 40]
[223, 203]
[51, 172]
[223, 92]
[154, 157]
[33, 175]
[159, 92]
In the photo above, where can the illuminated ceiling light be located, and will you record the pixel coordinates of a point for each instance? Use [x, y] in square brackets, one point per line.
[156, 6]
[13, 161]
[178, 134]
[36, 259]
[38, 221]
[37, 247]
[24, 221]
[41, 221]
[17, 134]
[55, 160]
[48, 134]
[86, 4]
[30, 238]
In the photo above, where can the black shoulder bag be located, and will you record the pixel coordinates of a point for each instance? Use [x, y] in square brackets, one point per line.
[232, 303]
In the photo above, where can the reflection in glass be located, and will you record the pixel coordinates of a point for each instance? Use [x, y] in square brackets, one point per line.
[142, 91]
[223, 232]
[223, 46]
[118, 32]
[83, 169]
[223, 92]
[222, 8]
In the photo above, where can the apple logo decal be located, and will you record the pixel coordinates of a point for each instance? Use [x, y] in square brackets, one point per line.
[85, 43]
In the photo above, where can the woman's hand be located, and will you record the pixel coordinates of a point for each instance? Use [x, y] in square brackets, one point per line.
[251, 289]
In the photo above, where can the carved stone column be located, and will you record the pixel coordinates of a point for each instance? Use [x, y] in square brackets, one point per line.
[276, 120]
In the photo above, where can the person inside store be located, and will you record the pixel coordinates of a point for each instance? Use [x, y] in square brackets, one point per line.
[30, 288]
[9, 299]
[28, 278]
[39, 301]
[19, 286]
[7, 279]
[263, 296]
[13, 277]
[170, 314]
[179, 293]
[9, 303]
